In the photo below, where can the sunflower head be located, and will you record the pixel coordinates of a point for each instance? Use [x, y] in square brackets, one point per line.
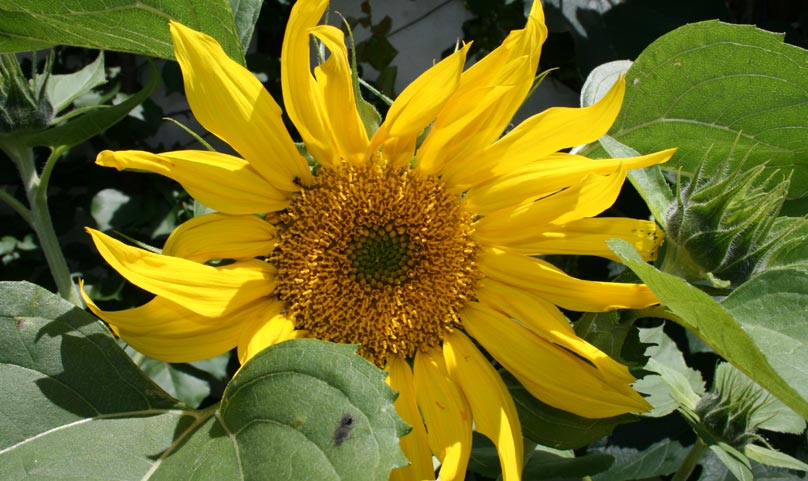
[359, 248]
[410, 239]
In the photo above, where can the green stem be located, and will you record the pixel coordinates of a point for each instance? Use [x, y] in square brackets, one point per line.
[40, 219]
[18, 207]
[690, 462]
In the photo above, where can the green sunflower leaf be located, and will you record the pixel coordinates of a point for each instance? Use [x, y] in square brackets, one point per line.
[73, 403]
[245, 14]
[307, 409]
[716, 326]
[713, 469]
[711, 89]
[63, 89]
[659, 459]
[674, 383]
[771, 457]
[76, 407]
[771, 308]
[135, 26]
[89, 124]
[540, 463]
[190, 382]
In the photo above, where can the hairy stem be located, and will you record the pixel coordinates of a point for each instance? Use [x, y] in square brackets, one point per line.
[40, 219]
[690, 462]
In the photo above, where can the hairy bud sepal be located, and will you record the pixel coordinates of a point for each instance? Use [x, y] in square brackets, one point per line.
[718, 228]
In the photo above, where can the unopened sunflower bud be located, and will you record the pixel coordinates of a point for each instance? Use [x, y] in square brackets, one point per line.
[730, 409]
[24, 105]
[718, 226]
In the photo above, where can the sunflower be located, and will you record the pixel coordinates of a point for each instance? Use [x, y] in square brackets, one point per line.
[408, 238]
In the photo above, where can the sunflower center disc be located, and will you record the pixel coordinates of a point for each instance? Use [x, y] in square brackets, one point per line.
[376, 256]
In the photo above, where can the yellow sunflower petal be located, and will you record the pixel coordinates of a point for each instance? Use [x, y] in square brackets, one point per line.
[419, 103]
[446, 414]
[336, 88]
[164, 330]
[542, 278]
[539, 136]
[220, 236]
[229, 101]
[264, 330]
[588, 198]
[549, 372]
[548, 175]
[222, 182]
[546, 321]
[491, 404]
[330, 127]
[208, 291]
[544, 315]
[415, 444]
[588, 237]
[489, 94]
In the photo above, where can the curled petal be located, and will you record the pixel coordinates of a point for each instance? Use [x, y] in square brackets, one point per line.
[550, 372]
[590, 197]
[545, 280]
[546, 321]
[416, 107]
[491, 404]
[415, 444]
[336, 89]
[330, 126]
[446, 414]
[587, 237]
[545, 316]
[546, 176]
[221, 236]
[208, 291]
[222, 182]
[489, 94]
[164, 330]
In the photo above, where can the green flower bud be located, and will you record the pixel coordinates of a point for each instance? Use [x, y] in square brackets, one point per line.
[24, 105]
[718, 227]
[729, 410]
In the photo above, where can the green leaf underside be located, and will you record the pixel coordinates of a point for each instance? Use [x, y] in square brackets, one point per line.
[659, 459]
[245, 14]
[62, 90]
[135, 26]
[675, 383]
[649, 182]
[715, 325]
[90, 124]
[715, 470]
[758, 91]
[80, 409]
[772, 307]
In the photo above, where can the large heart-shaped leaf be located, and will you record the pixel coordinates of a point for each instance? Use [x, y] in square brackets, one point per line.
[76, 407]
[717, 90]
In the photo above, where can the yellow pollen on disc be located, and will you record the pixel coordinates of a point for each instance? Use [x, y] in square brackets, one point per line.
[378, 256]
